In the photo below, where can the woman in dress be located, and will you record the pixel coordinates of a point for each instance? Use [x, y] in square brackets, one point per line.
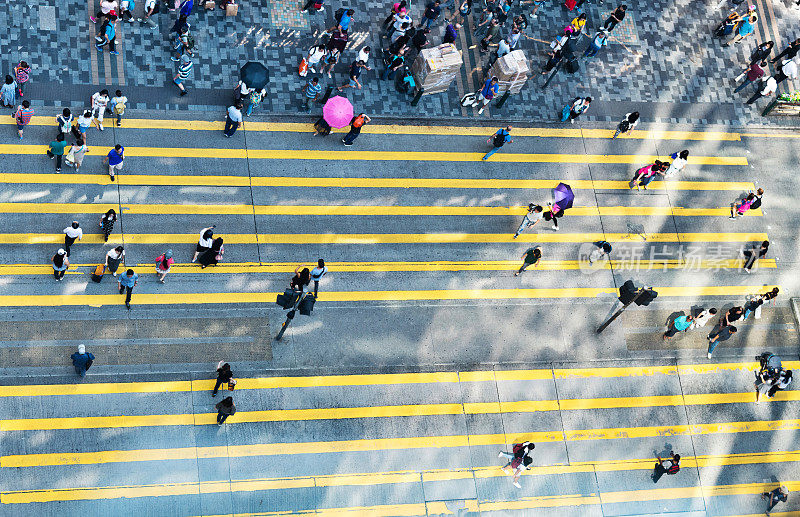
[107, 223]
[204, 244]
[8, 93]
[113, 259]
[75, 154]
[60, 264]
[213, 255]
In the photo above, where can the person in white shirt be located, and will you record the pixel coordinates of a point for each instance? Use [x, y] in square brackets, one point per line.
[363, 55]
[315, 54]
[628, 123]
[399, 19]
[99, 103]
[503, 48]
[679, 161]
[702, 318]
[602, 249]
[317, 273]
[242, 91]
[788, 71]
[118, 104]
[233, 119]
[768, 87]
[534, 215]
[113, 259]
[781, 383]
[71, 234]
[205, 242]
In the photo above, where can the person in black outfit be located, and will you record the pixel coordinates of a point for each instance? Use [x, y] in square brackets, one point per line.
[754, 254]
[301, 279]
[420, 39]
[107, 223]
[224, 375]
[209, 257]
[789, 52]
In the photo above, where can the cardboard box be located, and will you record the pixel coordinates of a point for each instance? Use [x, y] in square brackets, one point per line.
[231, 9]
[435, 68]
[512, 70]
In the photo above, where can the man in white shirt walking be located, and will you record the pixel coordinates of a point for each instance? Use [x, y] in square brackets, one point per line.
[768, 87]
[99, 103]
[233, 119]
[71, 234]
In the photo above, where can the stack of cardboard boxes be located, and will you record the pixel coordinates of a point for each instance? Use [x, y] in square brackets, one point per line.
[512, 71]
[435, 68]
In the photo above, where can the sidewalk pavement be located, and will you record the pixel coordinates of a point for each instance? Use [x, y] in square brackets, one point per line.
[648, 69]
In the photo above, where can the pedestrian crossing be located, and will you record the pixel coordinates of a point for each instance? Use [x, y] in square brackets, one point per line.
[397, 460]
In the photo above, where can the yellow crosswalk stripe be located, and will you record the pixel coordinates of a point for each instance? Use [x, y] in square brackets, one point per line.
[397, 129]
[408, 410]
[404, 156]
[385, 478]
[97, 300]
[387, 238]
[354, 210]
[259, 383]
[338, 182]
[383, 267]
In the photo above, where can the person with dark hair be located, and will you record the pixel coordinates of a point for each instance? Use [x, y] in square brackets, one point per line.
[679, 161]
[615, 17]
[113, 259]
[762, 52]
[531, 257]
[752, 255]
[534, 215]
[670, 466]
[321, 127]
[107, 223]
[107, 35]
[769, 295]
[679, 324]
[72, 233]
[578, 106]
[23, 116]
[627, 124]
[213, 255]
[498, 140]
[99, 102]
[356, 124]
[164, 264]
[781, 383]
[233, 119]
[206, 239]
[766, 378]
[225, 408]
[702, 318]
[22, 74]
[301, 279]
[602, 249]
[789, 52]
[317, 273]
[224, 375]
[126, 284]
[8, 93]
[60, 264]
[56, 150]
[115, 159]
[752, 75]
[519, 460]
[718, 336]
[432, 11]
[740, 208]
[64, 122]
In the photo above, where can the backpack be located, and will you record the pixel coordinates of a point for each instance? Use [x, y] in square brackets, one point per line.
[119, 108]
[499, 139]
[673, 469]
[358, 121]
[624, 126]
[337, 16]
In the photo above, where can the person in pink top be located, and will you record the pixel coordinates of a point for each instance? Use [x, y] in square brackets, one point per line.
[740, 208]
[23, 116]
[22, 72]
[163, 265]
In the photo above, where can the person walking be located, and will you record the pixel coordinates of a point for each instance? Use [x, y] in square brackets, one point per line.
[531, 219]
[118, 104]
[81, 360]
[779, 495]
[601, 249]
[126, 284]
[256, 96]
[164, 264]
[64, 122]
[767, 87]
[74, 157]
[615, 18]
[752, 255]
[519, 460]
[703, 317]
[99, 103]
[627, 125]
[205, 242]
[83, 124]
[431, 13]
[311, 92]
[113, 259]
[490, 88]
[746, 28]
[185, 67]
[679, 161]
[578, 106]
[23, 116]
[56, 150]
[107, 35]
[531, 257]
[788, 70]
[224, 376]
[225, 408]
[60, 264]
[783, 382]
[762, 52]
[765, 379]
[71, 234]
[213, 255]
[22, 74]
[451, 33]
[718, 336]
[498, 140]
[355, 73]
[640, 178]
[114, 159]
[789, 52]
[106, 6]
[301, 279]
[356, 123]
[317, 273]
[107, 223]
[669, 466]
[8, 93]
[553, 214]
[679, 324]
[315, 55]
[233, 119]
[738, 209]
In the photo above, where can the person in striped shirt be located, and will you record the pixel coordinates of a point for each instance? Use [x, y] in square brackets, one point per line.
[23, 116]
[184, 69]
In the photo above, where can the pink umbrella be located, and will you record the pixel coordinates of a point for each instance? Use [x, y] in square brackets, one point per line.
[338, 112]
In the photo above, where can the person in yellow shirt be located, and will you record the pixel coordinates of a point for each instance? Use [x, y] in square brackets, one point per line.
[579, 23]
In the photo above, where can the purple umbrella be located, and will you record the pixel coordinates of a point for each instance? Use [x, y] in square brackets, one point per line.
[563, 197]
[338, 112]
